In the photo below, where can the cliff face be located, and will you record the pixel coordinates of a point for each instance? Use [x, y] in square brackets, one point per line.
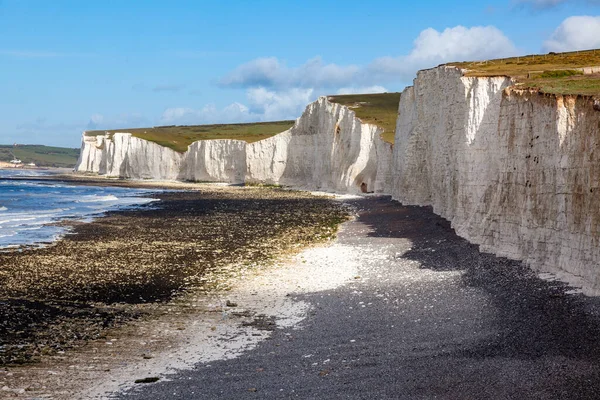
[514, 171]
[214, 160]
[327, 149]
[126, 156]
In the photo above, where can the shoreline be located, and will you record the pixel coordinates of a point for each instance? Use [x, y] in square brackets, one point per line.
[427, 315]
[96, 180]
[386, 307]
[238, 320]
[183, 217]
[197, 329]
[36, 213]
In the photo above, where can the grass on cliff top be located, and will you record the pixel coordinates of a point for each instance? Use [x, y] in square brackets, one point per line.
[179, 138]
[534, 63]
[380, 109]
[556, 73]
[42, 156]
[587, 85]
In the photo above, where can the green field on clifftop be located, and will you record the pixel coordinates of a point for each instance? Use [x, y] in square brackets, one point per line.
[380, 109]
[557, 73]
[42, 156]
[179, 138]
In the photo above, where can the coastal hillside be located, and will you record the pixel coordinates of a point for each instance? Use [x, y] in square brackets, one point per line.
[506, 150]
[574, 73]
[179, 137]
[327, 148]
[379, 109]
[41, 156]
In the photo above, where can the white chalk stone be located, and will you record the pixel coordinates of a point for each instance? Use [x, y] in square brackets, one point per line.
[327, 149]
[515, 171]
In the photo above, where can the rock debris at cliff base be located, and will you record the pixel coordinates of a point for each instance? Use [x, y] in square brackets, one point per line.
[126, 265]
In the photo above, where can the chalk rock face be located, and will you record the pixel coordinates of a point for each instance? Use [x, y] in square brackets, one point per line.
[214, 160]
[126, 156]
[327, 149]
[514, 171]
[384, 177]
[91, 154]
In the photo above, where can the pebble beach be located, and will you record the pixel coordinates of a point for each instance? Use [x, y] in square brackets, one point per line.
[129, 266]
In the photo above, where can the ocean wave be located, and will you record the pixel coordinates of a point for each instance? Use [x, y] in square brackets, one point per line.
[4, 221]
[30, 210]
[96, 198]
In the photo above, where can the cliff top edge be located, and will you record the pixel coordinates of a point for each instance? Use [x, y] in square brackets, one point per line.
[572, 73]
[379, 109]
[179, 137]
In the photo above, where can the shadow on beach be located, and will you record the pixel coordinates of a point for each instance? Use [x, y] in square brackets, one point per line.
[535, 317]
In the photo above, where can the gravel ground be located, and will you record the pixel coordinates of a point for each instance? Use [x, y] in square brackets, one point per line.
[128, 264]
[426, 315]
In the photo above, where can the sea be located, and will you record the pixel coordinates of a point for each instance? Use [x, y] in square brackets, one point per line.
[30, 208]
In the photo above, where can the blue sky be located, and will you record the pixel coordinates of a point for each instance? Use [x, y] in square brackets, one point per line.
[71, 65]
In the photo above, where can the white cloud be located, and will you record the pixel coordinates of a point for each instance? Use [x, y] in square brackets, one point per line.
[460, 43]
[430, 49]
[270, 72]
[264, 105]
[362, 89]
[575, 33]
[278, 91]
[272, 106]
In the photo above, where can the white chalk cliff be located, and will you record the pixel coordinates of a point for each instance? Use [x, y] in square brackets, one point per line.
[328, 149]
[515, 171]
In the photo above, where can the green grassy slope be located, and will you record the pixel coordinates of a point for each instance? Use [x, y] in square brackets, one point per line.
[380, 109]
[550, 73]
[42, 156]
[179, 138]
